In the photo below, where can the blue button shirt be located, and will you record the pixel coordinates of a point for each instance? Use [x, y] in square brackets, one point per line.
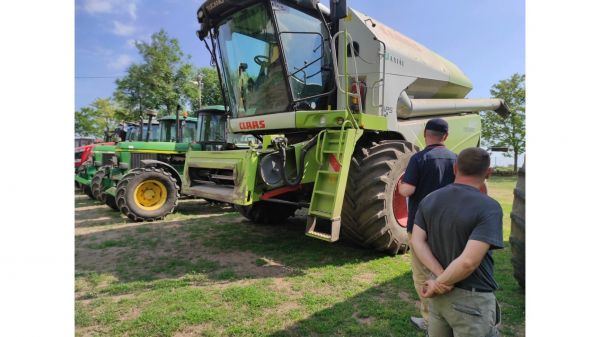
[427, 170]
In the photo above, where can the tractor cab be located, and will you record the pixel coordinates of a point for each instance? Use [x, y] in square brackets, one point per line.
[135, 133]
[169, 129]
[212, 133]
[274, 57]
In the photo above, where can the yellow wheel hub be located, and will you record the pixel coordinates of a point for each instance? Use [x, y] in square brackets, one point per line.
[150, 195]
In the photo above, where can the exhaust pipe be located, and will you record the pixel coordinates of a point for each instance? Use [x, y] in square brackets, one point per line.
[410, 108]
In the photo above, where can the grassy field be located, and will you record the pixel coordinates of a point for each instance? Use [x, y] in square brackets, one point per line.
[205, 271]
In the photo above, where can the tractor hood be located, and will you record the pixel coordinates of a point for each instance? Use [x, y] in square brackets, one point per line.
[153, 147]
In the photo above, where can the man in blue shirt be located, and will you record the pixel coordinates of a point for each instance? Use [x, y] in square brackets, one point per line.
[427, 171]
[456, 229]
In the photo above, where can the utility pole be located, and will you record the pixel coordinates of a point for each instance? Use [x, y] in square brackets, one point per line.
[200, 86]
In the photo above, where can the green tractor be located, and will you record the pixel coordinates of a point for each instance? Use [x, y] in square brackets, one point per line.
[350, 98]
[144, 180]
[91, 157]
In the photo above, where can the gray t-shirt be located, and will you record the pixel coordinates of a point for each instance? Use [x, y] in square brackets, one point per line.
[455, 214]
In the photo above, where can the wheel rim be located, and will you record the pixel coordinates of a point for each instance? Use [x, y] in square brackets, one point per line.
[399, 205]
[150, 195]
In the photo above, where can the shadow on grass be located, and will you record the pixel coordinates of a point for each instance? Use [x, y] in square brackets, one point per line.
[382, 310]
[385, 309]
[201, 243]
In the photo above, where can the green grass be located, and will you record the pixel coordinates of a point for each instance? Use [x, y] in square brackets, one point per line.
[207, 272]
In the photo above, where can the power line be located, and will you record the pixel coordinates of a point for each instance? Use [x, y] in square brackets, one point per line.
[98, 76]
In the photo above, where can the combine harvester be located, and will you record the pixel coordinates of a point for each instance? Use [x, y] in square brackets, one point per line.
[349, 98]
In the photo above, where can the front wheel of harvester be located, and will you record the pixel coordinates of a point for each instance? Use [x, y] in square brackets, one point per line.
[266, 212]
[374, 213]
[147, 194]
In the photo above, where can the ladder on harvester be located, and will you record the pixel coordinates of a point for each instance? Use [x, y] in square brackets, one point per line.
[334, 152]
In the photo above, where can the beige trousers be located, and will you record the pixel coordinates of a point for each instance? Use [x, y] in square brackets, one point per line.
[420, 274]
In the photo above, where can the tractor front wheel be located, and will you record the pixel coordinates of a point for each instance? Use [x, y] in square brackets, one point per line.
[374, 213]
[147, 194]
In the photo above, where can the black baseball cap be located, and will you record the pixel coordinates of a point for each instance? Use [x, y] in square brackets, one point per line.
[437, 124]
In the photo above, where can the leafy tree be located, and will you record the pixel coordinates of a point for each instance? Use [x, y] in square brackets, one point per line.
[507, 132]
[84, 122]
[131, 94]
[211, 89]
[164, 78]
[99, 118]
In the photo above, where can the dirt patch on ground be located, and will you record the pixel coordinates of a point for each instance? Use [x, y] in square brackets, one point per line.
[247, 264]
[365, 277]
[193, 330]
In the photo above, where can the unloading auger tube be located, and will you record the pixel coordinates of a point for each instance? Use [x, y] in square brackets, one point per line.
[410, 108]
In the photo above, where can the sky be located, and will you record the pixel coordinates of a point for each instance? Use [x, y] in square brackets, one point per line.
[485, 38]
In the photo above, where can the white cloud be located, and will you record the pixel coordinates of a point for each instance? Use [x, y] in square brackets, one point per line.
[121, 62]
[131, 43]
[98, 6]
[122, 29]
[132, 9]
[112, 7]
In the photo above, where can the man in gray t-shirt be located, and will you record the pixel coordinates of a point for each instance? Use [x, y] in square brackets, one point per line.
[456, 228]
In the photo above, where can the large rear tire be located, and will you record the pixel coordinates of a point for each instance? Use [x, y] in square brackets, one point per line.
[88, 191]
[517, 230]
[147, 194]
[110, 201]
[371, 215]
[97, 184]
[266, 212]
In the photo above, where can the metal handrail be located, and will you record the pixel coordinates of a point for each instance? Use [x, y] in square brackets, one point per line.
[336, 69]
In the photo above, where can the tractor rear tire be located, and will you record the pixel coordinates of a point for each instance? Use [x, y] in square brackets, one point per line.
[132, 200]
[110, 201]
[96, 184]
[517, 230]
[88, 191]
[266, 212]
[368, 217]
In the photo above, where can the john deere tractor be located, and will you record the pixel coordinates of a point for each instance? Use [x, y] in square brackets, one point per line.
[350, 98]
[91, 157]
[145, 179]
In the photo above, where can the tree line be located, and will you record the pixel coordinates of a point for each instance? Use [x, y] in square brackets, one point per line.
[164, 81]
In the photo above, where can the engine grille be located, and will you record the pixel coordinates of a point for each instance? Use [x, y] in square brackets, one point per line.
[136, 159]
[106, 158]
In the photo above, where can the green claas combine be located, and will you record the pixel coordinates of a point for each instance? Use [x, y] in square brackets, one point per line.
[144, 179]
[350, 98]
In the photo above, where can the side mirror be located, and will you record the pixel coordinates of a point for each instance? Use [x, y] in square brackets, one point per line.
[339, 9]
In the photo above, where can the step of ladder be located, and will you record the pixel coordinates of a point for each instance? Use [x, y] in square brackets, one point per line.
[311, 225]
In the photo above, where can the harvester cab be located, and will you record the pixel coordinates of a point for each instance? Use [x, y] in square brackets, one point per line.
[350, 98]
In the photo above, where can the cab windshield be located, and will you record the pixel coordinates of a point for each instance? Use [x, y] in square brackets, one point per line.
[254, 71]
[252, 64]
[133, 133]
[169, 134]
[211, 128]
